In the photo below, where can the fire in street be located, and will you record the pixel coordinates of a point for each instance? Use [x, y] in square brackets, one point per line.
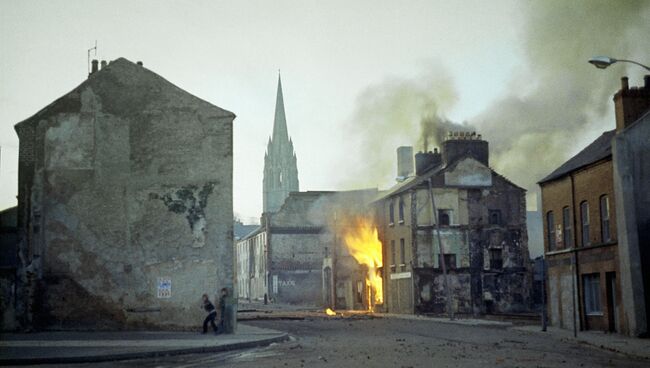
[363, 244]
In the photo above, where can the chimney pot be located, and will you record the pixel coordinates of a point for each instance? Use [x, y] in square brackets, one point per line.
[94, 66]
[103, 64]
[624, 84]
[139, 63]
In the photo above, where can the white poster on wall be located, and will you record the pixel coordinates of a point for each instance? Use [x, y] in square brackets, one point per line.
[164, 287]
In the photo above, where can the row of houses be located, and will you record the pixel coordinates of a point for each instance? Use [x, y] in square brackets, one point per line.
[597, 226]
[299, 254]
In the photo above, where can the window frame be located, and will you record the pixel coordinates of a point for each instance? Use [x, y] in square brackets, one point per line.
[447, 214]
[605, 223]
[591, 294]
[550, 231]
[567, 235]
[496, 263]
[401, 211]
[391, 213]
[447, 258]
[584, 224]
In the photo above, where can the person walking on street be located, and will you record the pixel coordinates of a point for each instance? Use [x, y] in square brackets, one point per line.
[212, 314]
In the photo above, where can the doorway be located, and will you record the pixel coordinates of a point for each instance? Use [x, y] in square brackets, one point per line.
[612, 307]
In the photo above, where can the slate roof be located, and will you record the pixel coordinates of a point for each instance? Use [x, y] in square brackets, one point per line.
[415, 181]
[598, 150]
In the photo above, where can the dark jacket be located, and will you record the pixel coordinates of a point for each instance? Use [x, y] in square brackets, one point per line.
[207, 305]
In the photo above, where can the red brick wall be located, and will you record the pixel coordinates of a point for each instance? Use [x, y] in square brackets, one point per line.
[596, 257]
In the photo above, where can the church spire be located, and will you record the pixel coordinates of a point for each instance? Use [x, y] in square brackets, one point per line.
[280, 169]
[280, 122]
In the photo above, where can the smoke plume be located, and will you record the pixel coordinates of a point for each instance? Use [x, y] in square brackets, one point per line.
[556, 104]
[399, 112]
[561, 103]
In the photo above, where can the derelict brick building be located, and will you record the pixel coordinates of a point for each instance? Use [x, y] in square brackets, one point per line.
[482, 220]
[124, 204]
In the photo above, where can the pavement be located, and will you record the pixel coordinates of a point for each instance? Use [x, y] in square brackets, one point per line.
[62, 347]
[633, 347]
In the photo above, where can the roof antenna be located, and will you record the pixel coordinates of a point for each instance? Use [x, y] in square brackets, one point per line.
[89, 50]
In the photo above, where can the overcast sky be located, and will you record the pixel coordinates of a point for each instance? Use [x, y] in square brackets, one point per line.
[228, 52]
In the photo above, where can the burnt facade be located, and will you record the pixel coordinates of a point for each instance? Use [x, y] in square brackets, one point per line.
[124, 204]
[481, 218]
[298, 256]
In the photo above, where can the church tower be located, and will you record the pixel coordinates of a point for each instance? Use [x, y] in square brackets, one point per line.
[280, 169]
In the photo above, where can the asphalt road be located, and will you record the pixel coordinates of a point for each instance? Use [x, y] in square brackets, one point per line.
[385, 342]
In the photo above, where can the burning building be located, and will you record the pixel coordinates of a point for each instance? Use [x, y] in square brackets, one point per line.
[453, 196]
[312, 252]
[125, 204]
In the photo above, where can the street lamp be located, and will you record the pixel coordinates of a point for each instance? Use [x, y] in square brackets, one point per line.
[602, 62]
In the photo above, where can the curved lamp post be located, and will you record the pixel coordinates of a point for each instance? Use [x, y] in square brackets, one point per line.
[602, 62]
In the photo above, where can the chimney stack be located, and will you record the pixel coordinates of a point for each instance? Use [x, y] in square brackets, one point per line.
[631, 103]
[462, 144]
[139, 63]
[94, 67]
[103, 64]
[424, 161]
[404, 162]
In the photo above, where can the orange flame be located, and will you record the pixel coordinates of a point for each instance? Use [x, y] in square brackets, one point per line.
[363, 243]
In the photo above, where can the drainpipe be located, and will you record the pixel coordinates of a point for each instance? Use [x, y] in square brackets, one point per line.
[574, 260]
[442, 253]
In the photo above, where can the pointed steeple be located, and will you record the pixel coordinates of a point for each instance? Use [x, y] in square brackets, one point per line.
[280, 123]
[280, 169]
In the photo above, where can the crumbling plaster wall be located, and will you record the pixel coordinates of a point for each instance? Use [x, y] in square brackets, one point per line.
[125, 193]
[296, 267]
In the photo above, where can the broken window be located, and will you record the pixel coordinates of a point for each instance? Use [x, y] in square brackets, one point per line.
[494, 217]
[359, 292]
[566, 225]
[591, 285]
[496, 260]
[450, 261]
[391, 213]
[584, 217]
[402, 251]
[550, 230]
[444, 217]
[401, 211]
[605, 235]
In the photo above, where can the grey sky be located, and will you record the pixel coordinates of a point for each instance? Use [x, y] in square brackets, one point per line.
[228, 53]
